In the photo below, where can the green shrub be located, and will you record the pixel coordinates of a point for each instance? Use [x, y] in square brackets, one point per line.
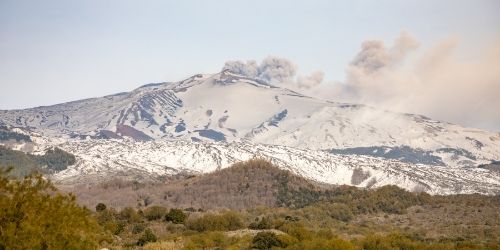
[298, 230]
[107, 219]
[33, 215]
[138, 228]
[164, 245]
[225, 221]
[155, 212]
[208, 240]
[100, 207]
[389, 242]
[340, 212]
[323, 244]
[105, 216]
[266, 240]
[147, 236]
[264, 223]
[120, 227]
[176, 216]
[130, 215]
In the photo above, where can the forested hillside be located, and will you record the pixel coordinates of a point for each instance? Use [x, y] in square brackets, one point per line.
[53, 160]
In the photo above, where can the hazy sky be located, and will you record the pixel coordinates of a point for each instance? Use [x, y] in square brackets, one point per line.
[56, 51]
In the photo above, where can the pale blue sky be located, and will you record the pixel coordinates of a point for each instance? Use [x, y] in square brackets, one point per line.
[55, 51]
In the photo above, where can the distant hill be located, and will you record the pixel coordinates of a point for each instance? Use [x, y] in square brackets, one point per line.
[253, 183]
[245, 185]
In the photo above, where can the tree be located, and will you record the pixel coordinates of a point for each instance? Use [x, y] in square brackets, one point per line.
[266, 240]
[148, 236]
[100, 207]
[130, 215]
[226, 221]
[264, 223]
[176, 216]
[33, 215]
[155, 212]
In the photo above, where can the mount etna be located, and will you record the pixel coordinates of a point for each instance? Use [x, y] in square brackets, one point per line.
[208, 122]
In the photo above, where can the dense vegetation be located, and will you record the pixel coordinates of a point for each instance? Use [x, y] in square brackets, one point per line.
[34, 216]
[53, 160]
[296, 214]
[243, 185]
[303, 216]
[323, 225]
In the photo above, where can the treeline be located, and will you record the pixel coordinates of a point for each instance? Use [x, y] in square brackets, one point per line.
[387, 199]
[53, 160]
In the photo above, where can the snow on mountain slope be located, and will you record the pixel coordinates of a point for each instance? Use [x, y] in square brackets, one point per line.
[226, 107]
[148, 106]
[207, 122]
[99, 160]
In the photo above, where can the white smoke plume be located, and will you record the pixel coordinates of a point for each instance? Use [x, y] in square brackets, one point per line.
[310, 81]
[404, 78]
[374, 55]
[250, 68]
[272, 69]
[277, 70]
[403, 45]
[435, 83]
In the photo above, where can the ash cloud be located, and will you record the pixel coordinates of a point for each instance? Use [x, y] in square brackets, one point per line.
[249, 68]
[403, 77]
[311, 81]
[275, 70]
[272, 69]
[433, 82]
[403, 45]
[374, 55]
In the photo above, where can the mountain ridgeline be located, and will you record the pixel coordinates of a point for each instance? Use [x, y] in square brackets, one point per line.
[226, 107]
[223, 118]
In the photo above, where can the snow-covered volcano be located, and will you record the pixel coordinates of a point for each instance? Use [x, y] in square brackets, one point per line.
[208, 122]
[226, 107]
